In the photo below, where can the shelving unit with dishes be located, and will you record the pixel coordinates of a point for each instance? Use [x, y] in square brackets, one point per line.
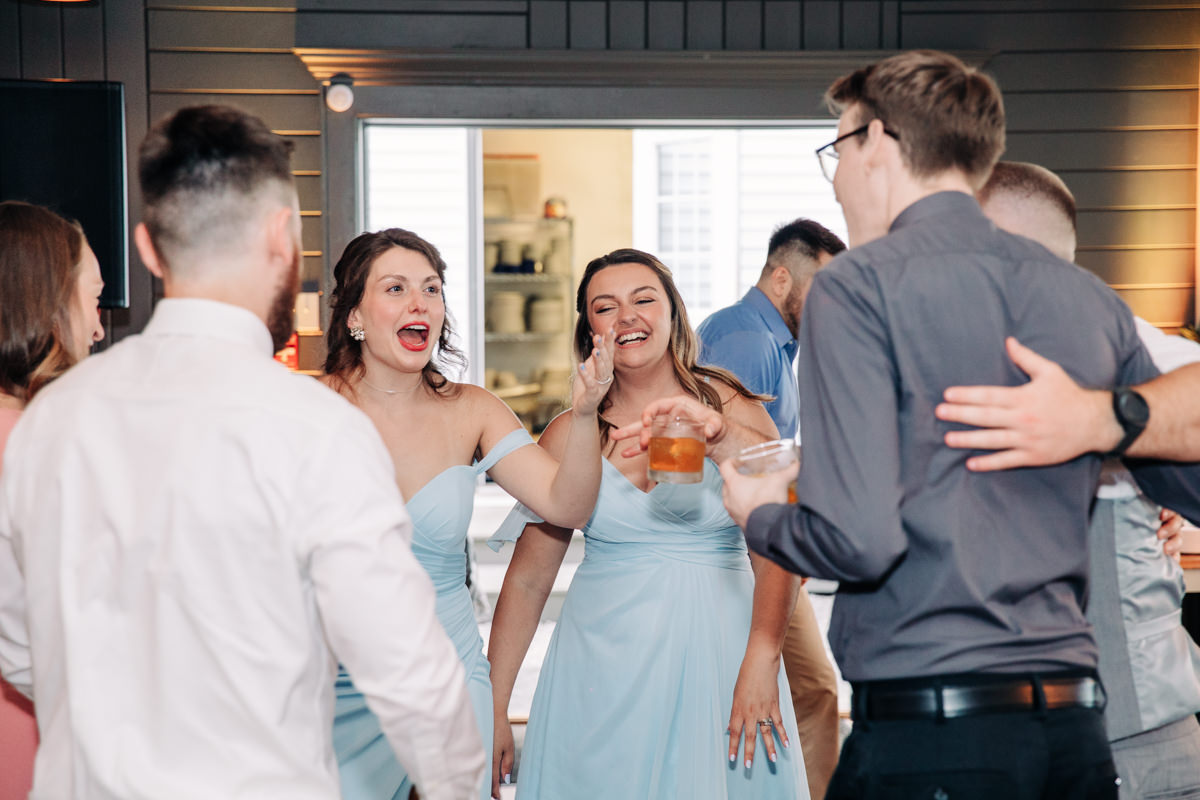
[529, 316]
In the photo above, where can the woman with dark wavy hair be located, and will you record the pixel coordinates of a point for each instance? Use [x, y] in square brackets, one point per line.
[49, 318]
[389, 338]
[667, 650]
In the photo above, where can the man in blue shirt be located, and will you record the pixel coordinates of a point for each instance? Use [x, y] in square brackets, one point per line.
[755, 339]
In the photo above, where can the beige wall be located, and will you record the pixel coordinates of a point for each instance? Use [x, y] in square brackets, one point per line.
[592, 169]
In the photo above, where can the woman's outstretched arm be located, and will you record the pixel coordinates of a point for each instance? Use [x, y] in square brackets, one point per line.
[560, 482]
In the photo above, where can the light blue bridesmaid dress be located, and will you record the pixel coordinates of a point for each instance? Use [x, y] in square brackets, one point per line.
[441, 512]
[635, 693]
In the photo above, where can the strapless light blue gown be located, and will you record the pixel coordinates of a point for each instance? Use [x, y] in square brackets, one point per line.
[635, 693]
[441, 512]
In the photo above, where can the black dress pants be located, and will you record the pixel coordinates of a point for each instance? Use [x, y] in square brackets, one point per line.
[1061, 754]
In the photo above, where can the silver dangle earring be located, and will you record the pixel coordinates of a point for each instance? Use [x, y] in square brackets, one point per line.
[357, 333]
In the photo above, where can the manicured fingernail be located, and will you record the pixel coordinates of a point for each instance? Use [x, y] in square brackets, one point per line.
[732, 758]
[508, 778]
[747, 763]
[772, 757]
[786, 743]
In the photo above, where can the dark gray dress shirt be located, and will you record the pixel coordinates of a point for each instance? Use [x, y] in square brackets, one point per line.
[944, 570]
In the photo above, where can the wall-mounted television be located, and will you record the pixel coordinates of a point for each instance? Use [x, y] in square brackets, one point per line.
[62, 145]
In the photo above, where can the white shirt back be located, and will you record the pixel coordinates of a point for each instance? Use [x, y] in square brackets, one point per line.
[191, 529]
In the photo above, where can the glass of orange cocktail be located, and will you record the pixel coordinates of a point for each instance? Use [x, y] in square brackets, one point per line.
[768, 457]
[676, 450]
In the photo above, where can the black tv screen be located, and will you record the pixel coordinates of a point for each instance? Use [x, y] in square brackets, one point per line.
[62, 145]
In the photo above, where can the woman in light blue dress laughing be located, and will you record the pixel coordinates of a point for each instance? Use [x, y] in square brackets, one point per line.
[389, 338]
[663, 675]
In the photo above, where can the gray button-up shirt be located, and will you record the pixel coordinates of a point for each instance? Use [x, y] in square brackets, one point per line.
[944, 570]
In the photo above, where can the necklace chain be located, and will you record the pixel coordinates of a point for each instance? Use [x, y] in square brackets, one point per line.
[378, 389]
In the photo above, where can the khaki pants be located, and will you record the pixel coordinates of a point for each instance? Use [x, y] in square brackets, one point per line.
[814, 695]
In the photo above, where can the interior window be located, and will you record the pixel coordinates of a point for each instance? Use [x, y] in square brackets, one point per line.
[707, 199]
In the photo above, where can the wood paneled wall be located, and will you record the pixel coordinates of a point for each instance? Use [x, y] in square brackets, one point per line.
[1102, 91]
[1105, 94]
[240, 54]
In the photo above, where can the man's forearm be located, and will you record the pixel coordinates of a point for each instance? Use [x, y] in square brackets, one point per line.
[1174, 429]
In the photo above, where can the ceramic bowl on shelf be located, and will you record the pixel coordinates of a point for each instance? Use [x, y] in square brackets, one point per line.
[546, 314]
[506, 312]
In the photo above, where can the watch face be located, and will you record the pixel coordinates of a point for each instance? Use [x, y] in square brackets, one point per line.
[1132, 408]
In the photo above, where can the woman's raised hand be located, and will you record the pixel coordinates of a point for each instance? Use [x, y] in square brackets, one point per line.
[595, 375]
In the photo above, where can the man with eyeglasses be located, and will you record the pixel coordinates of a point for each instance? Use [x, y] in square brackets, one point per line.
[959, 617]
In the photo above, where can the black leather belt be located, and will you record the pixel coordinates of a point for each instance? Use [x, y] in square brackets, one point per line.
[947, 700]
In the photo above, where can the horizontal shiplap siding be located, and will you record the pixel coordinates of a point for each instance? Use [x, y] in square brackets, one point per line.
[1105, 94]
[1102, 91]
[240, 53]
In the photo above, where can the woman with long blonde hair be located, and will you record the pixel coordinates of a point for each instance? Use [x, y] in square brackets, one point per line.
[665, 659]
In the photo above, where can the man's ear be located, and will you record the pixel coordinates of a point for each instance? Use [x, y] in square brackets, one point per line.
[145, 248]
[282, 240]
[781, 281]
[875, 147]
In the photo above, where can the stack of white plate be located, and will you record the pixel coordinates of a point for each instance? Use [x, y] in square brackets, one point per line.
[546, 315]
[506, 312]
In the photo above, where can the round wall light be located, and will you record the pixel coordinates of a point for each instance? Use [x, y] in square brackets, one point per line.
[339, 96]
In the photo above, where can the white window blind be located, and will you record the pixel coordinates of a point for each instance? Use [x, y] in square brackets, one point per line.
[420, 179]
[742, 184]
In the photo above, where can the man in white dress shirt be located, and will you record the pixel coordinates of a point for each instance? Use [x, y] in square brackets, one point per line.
[191, 536]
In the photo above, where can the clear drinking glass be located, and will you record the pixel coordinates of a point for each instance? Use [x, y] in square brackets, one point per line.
[677, 448]
[768, 457]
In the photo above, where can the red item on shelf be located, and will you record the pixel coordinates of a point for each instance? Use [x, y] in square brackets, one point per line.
[289, 356]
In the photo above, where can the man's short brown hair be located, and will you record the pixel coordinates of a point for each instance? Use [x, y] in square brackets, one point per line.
[1021, 180]
[945, 114]
[202, 170]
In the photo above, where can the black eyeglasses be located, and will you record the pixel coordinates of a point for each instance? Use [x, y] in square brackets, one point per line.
[828, 154]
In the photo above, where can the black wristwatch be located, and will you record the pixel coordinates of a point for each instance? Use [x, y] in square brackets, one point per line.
[1132, 413]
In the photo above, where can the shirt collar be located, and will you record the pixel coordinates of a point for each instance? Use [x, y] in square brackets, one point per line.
[938, 204]
[759, 302]
[193, 316]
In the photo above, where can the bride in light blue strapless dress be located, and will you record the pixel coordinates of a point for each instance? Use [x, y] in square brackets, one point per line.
[664, 664]
[388, 335]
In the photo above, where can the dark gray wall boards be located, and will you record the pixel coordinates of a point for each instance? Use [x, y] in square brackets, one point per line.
[1103, 91]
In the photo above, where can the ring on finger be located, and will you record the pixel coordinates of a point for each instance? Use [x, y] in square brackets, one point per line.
[766, 723]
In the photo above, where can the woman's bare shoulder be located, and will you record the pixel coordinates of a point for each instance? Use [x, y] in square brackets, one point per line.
[471, 398]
